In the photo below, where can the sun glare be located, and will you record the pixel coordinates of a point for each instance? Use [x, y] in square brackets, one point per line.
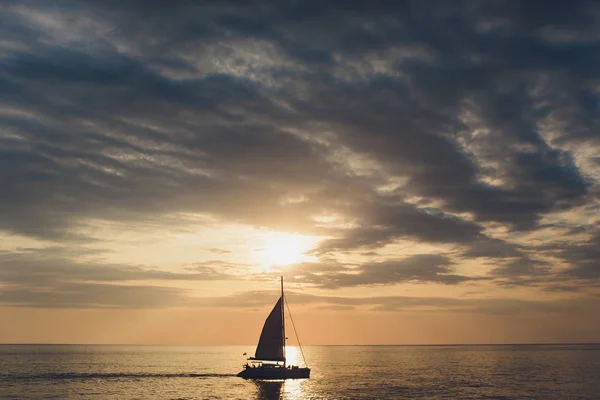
[285, 249]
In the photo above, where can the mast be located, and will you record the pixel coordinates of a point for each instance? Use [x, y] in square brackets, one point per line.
[283, 320]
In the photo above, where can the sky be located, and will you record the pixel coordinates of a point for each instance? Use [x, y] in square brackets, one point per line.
[419, 172]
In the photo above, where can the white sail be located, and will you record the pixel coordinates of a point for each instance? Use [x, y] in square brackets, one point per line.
[270, 345]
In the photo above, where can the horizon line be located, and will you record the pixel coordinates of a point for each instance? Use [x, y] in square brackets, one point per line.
[315, 345]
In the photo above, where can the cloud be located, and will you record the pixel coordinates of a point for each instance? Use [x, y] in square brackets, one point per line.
[93, 295]
[32, 267]
[521, 267]
[98, 295]
[492, 248]
[48, 278]
[382, 221]
[583, 258]
[465, 128]
[53, 278]
[498, 306]
[421, 268]
[234, 134]
[218, 251]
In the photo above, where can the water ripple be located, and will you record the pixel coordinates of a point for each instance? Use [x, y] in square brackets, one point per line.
[116, 375]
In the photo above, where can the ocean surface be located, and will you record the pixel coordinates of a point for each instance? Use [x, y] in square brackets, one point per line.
[338, 372]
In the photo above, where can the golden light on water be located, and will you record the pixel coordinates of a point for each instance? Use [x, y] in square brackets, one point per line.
[293, 356]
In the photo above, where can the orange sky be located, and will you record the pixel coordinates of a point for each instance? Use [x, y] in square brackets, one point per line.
[416, 175]
[202, 327]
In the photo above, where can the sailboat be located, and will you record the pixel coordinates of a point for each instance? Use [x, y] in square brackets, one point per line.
[269, 361]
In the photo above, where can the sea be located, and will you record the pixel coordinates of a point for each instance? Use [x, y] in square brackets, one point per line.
[565, 372]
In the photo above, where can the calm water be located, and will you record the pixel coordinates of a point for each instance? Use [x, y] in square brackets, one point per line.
[338, 372]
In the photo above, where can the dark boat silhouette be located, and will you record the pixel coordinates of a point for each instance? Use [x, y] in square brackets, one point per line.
[269, 361]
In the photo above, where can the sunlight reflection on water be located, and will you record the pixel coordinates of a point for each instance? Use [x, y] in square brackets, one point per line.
[293, 389]
[338, 372]
[293, 356]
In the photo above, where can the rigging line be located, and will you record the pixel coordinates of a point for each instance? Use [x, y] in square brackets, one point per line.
[295, 332]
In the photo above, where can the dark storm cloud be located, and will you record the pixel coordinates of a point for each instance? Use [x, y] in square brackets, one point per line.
[121, 111]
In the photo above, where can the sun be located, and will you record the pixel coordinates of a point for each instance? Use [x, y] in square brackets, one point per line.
[285, 249]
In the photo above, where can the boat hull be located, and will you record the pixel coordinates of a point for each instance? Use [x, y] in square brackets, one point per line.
[275, 373]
